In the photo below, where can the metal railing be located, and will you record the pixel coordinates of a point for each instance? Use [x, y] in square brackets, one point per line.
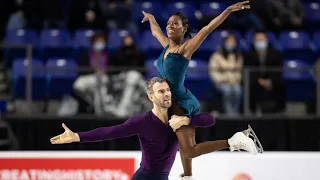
[28, 48]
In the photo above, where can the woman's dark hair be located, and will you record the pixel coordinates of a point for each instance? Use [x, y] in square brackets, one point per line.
[190, 33]
[98, 35]
[224, 51]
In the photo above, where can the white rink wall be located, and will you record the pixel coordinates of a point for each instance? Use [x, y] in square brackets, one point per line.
[109, 165]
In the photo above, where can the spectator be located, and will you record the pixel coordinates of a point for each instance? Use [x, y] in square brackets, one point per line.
[286, 13]
[119, 94]
[128, 54]
[266, 86]
[131, 82]
[225, 70]
[87, 84]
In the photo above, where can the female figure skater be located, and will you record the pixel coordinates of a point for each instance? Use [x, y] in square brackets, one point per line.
[172, 65]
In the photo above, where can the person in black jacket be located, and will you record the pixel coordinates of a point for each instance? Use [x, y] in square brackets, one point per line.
[266, 86]
[128, 55]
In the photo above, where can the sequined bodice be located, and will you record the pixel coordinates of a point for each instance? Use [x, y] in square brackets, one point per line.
[173, 68]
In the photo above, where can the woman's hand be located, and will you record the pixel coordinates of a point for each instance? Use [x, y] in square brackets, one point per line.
[239, 6]
[147, 16]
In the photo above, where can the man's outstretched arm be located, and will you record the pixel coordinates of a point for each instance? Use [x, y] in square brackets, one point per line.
[131, 127]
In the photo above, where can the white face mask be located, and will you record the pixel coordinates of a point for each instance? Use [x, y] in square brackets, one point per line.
[99, 46]
[260, 45]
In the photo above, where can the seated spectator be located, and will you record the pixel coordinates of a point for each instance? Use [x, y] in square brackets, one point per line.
[128, 54]
[117, 94]
[130, 81]
[266, 86]
[286, 13]
[97, 58]
[225, 70]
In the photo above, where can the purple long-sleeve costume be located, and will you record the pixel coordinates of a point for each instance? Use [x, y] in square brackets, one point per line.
[158, 142]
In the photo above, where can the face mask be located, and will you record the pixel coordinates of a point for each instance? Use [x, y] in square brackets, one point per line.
[229, 48]
[99, 46]
[260, 45]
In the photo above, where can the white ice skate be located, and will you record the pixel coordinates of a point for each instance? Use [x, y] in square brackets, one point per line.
[242, 141]
[186, 177]
[249, 132]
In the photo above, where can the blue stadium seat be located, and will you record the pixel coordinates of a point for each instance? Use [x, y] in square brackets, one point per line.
[115, 38]
[153, 8]
[61, 73]
[217, 37]
[151, 66]
[205, 50]
[299, 81]
[82, 38]
[296, 45]
[19, 78]
[19, 37]
[316, 41]
[312, 10]
[297, 70]
[312, 16]
[295, 40]
[197, 78]
[187, 8]
[151, 46]
[56, 43]
[198, 69]
[82, 41]
[212, 8]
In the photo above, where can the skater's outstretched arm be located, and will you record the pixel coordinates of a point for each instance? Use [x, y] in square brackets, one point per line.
[155, 29]
[131, 127]
[194, 43]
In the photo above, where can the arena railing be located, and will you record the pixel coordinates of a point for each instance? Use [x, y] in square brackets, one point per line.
[28, 49]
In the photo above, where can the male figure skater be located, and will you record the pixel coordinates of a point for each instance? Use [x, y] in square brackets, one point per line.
[159, 143]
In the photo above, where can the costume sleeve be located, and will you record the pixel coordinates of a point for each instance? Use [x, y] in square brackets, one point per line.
[131, 127]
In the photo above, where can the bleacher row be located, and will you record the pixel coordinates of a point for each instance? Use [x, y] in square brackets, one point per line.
[299, 48]
[61, 48]
[59, 43]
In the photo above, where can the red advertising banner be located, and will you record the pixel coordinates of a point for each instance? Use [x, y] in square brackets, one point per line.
[66, 168]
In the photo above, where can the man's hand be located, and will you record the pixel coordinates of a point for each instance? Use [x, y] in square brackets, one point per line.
[177, 121]
[67, 137]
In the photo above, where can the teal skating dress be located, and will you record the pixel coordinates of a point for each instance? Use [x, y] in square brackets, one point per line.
[174, 69]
